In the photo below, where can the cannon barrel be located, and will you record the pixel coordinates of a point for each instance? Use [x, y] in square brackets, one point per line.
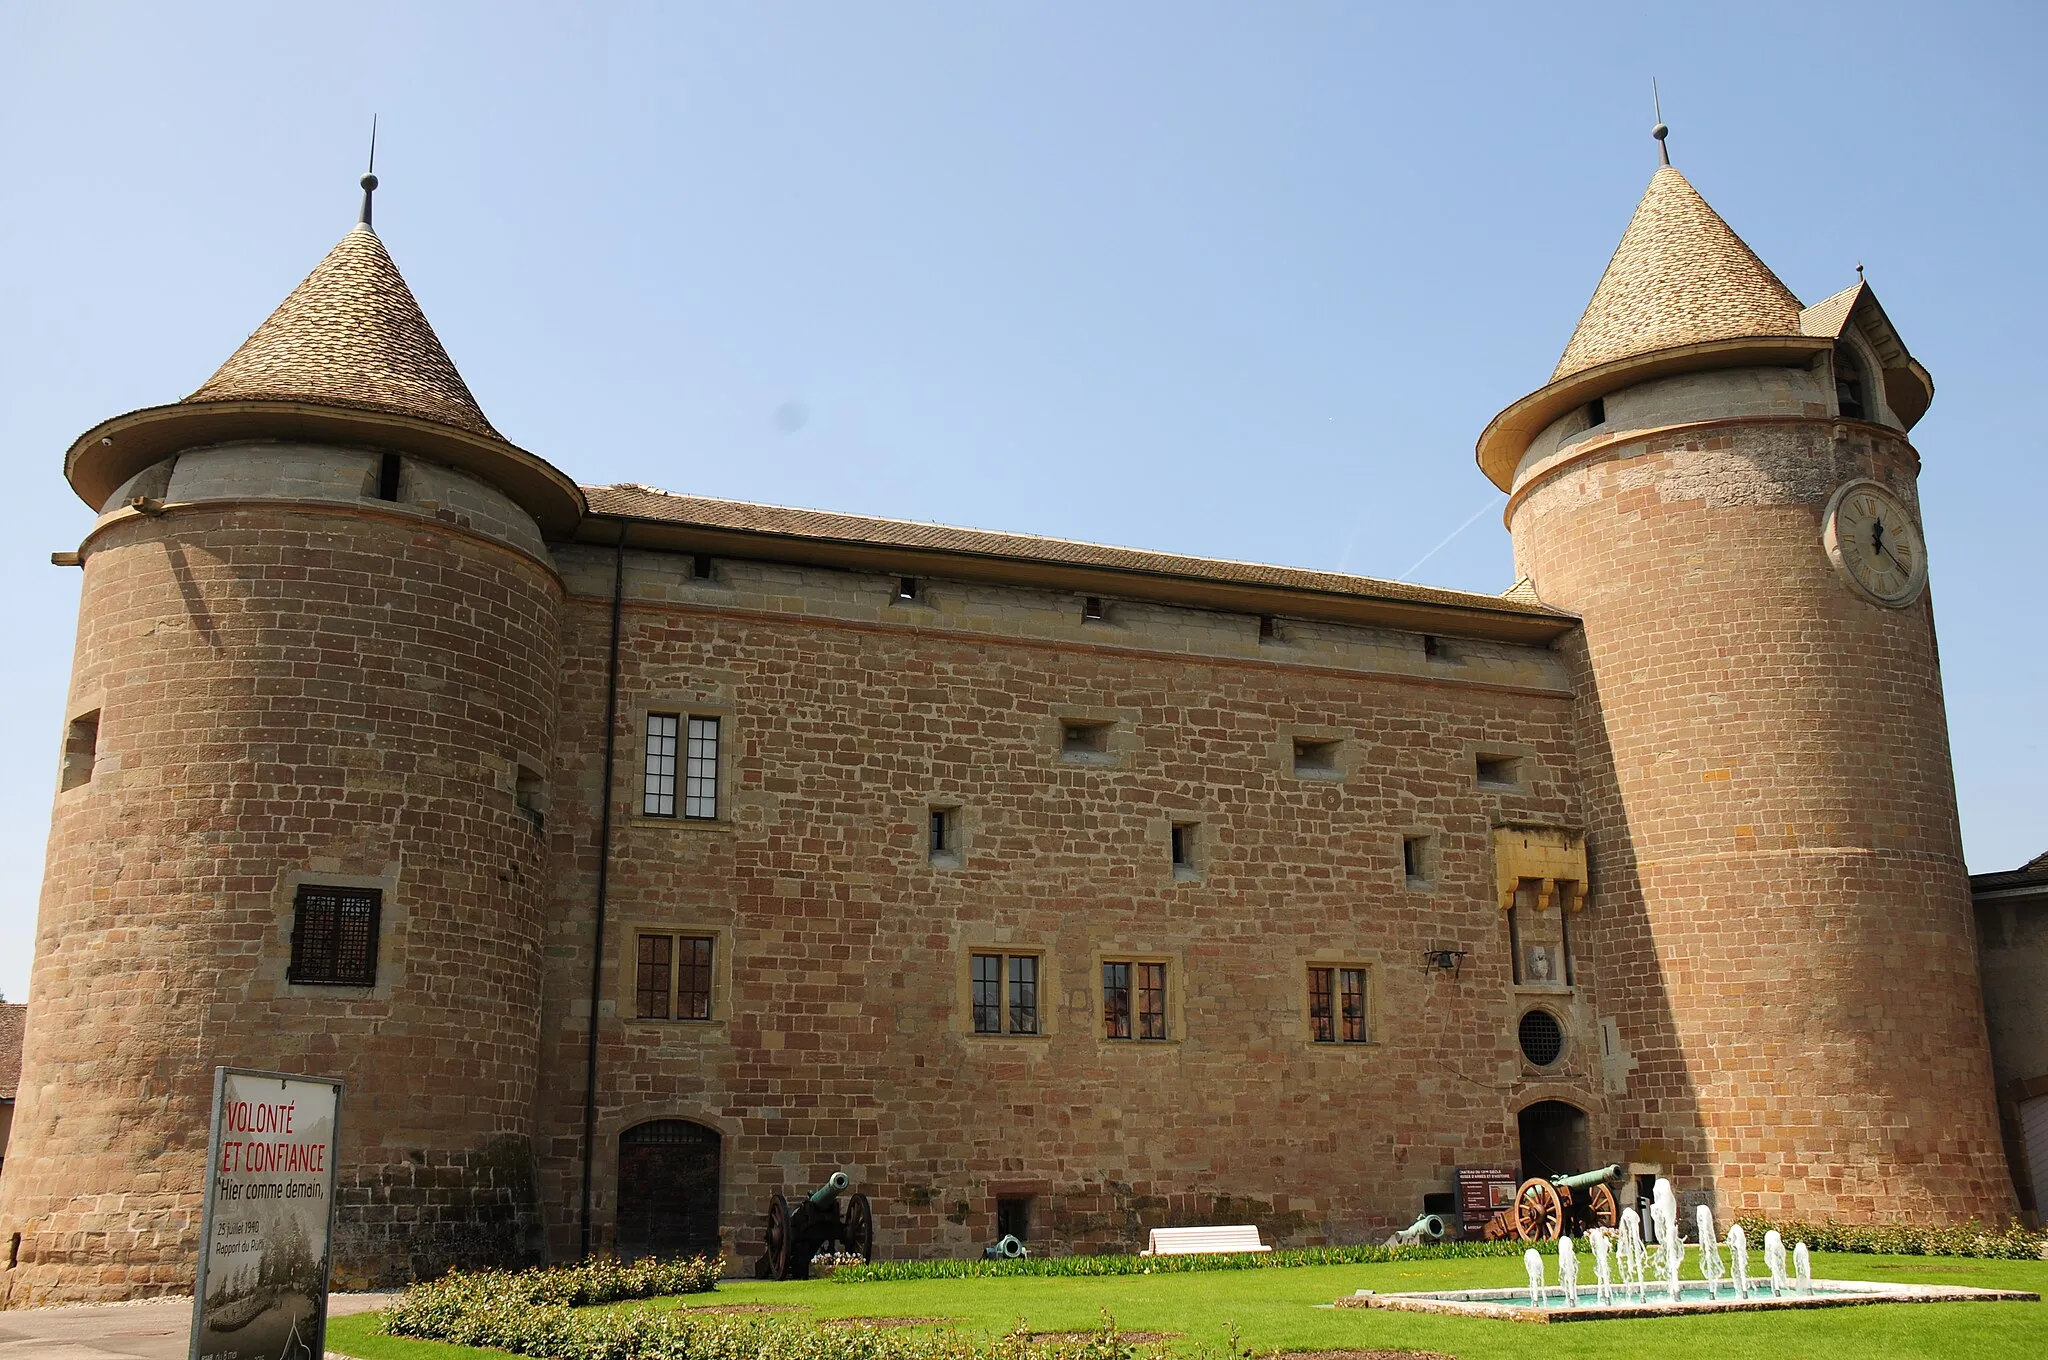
[1597, 1176]
[1429, 1225]
[1009, 1248]
[830, 1190]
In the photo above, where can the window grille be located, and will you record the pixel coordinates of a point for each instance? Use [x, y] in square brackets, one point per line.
[334, 936]
[674, 977]
[700, 778]
[657, 954]
[659, 799]
[1321, 1024]
[1134, 1000]
[990, 971]
[1351, 982]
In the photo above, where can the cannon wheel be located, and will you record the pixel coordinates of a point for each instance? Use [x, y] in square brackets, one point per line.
[860, 1228]
[1539, 1212]
[778, 1237]
[1600, 1210]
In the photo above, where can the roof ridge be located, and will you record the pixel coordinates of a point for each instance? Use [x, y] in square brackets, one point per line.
[1680, 275]
[351, 334]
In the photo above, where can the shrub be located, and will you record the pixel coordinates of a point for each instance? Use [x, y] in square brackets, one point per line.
[527, 1302]
[2010, 1243]
[1176, 1265]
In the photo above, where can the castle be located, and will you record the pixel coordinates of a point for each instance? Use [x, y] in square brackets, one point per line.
[632, 856]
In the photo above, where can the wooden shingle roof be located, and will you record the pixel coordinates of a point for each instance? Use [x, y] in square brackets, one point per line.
[351, 335]
[1680, 276]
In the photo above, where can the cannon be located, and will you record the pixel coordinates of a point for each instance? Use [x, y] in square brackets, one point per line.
[1428, 1228]
[819, 1220]
[1007, 1248]
[1547, 1209]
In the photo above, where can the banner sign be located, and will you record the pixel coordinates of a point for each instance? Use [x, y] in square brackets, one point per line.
[1483, 1191]
[261, 1293]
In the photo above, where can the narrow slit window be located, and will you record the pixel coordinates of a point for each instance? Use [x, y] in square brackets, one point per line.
[942, 835]
[700, 567]
[1596, 412]
[81, 750]
[1415, 860]
[906, 587]
[1269, 628]
[1091, 608]
[1183, 837]
[388, 470]
[700, 776]
[658, 798]
[334, 936]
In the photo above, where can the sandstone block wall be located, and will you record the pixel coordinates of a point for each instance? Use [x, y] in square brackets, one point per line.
[1785, 911]
[288, 693]
[843, 1038]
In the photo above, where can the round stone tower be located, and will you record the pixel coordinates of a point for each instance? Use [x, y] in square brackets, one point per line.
[301, 816]
[1719, 482]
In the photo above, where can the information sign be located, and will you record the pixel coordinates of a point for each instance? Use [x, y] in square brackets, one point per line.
[264, 1241]
[1483, 1191]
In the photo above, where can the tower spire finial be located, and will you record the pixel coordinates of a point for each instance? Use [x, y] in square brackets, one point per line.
[369, 180]
[1660, 132]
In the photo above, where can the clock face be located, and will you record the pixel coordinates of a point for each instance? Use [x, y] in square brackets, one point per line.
[1874, 543]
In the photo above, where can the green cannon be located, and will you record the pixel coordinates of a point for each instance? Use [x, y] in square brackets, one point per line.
[817, 1221]
[1548, 1208]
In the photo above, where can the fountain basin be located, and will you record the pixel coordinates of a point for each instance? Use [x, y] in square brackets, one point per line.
[1513, 1304]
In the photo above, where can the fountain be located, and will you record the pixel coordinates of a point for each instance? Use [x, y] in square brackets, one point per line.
[1621, 1253]
[1633, 1257]
[1603, 1265]
[1710, 1253]
[1774, 1261]
[1664, 1213]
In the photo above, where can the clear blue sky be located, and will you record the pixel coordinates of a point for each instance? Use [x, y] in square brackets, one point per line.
[1238, 280]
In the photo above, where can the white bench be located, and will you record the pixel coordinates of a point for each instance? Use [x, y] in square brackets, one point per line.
[1199, 1241]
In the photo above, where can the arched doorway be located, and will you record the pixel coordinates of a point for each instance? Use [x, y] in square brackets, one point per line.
[1554, 1141]
[668, 1190]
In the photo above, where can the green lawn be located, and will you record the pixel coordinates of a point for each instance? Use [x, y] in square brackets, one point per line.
[1274, 1310]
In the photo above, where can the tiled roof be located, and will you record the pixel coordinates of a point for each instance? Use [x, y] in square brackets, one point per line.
[13, 1020]
[1679, 276]
[350, 335]
[1830, 314]
[646, 503]
[2032, 874]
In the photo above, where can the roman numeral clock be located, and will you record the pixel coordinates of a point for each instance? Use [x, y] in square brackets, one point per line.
[1871, 538]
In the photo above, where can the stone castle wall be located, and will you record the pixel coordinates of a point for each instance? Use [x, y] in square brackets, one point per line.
[1771, 812]
[288, 693]
[844, 1040]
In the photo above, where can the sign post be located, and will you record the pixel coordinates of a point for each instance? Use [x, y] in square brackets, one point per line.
[266, 1234]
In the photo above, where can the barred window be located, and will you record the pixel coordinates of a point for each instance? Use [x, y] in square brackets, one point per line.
[700, 781]
[997, 1010]
[1133, 1000]
[673, 977]
[1336, 1005]
[334, 936]
[659, 798]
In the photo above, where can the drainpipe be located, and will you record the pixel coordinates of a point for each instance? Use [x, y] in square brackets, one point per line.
[604, 864]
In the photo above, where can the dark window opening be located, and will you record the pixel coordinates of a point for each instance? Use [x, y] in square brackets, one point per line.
[527, 794]
[334, 936]
[81, 750]
[1183, 841]
[998, 1010]
[1415, 859]
[1084, 738]
[1541, 1038]
[906, 588]
[1849, 385]
[388, 468]
[1091, 608]
[700, 567]
[1313, 756]
[1553, 1138]
[1596, 412]
[1269, 628]
[1498, 772]
[941, 833]
[1013, 1217]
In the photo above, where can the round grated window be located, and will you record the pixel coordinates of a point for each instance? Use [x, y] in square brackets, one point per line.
[1542, 1038]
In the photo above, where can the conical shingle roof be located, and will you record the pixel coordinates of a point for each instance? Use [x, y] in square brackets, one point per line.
[1680, 276]
[350, 335]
